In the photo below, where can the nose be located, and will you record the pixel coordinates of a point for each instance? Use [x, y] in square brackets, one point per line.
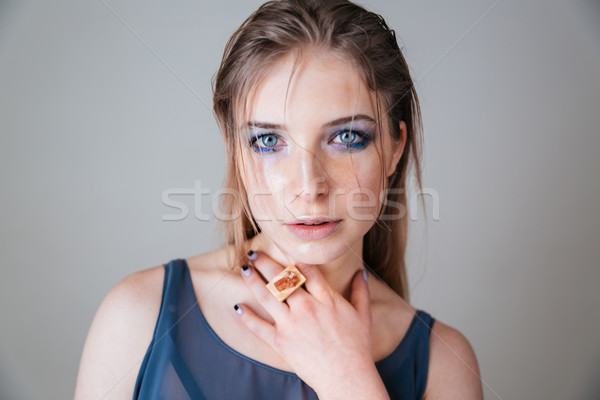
[313, 179]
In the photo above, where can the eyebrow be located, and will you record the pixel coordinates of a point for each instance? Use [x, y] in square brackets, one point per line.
[330, 124]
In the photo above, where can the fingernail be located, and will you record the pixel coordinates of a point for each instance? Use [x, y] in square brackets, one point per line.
[237, 309]
[252, 256]
[365, 275]
[246, 270]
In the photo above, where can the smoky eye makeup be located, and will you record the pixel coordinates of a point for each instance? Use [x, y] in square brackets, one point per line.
[353, 137]
[263, 141]
[348, 137]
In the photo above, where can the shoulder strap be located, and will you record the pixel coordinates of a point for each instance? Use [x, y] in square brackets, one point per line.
[172, 289]
[424, 324]
[172, 280]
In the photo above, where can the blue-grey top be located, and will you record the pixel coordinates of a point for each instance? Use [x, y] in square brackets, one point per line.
[187, 360]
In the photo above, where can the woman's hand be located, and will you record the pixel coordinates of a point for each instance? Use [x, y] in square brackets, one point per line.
[324, 338]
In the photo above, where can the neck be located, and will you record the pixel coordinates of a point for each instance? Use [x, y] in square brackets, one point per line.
[338, 272]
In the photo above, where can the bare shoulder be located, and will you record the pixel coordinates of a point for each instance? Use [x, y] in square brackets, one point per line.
[218, 260]
[453, 368]
[210, 269]
[119, 336]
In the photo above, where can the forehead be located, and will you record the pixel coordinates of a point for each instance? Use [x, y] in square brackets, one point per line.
[323, 87]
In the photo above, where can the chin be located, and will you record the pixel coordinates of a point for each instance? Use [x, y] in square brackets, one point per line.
[317, 252]
[321, 251]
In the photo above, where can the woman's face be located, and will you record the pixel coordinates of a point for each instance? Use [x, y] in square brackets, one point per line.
[308, 161]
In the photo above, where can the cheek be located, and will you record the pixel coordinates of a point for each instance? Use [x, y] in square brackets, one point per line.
[361, 176]
[362, 191]
[354, 187]
[264, 189]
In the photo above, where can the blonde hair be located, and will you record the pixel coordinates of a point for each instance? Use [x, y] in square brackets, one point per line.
[279, 28]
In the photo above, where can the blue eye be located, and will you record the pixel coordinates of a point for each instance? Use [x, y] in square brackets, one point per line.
[348, 139]
[264, 143]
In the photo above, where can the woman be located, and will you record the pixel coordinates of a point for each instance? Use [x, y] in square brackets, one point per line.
[321, 122]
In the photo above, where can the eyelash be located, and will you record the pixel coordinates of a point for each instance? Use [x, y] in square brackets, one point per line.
[365, 139]
[258, 149]
[346, 147]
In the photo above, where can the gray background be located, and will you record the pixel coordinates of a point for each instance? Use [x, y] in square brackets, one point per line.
[103, 106]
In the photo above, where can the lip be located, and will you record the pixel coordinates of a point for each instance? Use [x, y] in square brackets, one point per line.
[307, 232]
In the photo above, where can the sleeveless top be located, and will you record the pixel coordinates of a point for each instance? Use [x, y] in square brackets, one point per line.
[187, 360]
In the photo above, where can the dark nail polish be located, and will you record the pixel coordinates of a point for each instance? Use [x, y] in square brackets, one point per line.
[246, 270]
[252, 255]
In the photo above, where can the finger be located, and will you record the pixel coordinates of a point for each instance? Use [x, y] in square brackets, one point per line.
[268, 267]
[258, 288]
[257, 325]
[360, 297]
[316, 284]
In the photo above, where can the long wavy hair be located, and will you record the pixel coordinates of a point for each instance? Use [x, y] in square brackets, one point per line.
[280, 28]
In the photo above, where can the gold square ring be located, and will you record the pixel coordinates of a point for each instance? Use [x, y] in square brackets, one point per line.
[286, 282]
